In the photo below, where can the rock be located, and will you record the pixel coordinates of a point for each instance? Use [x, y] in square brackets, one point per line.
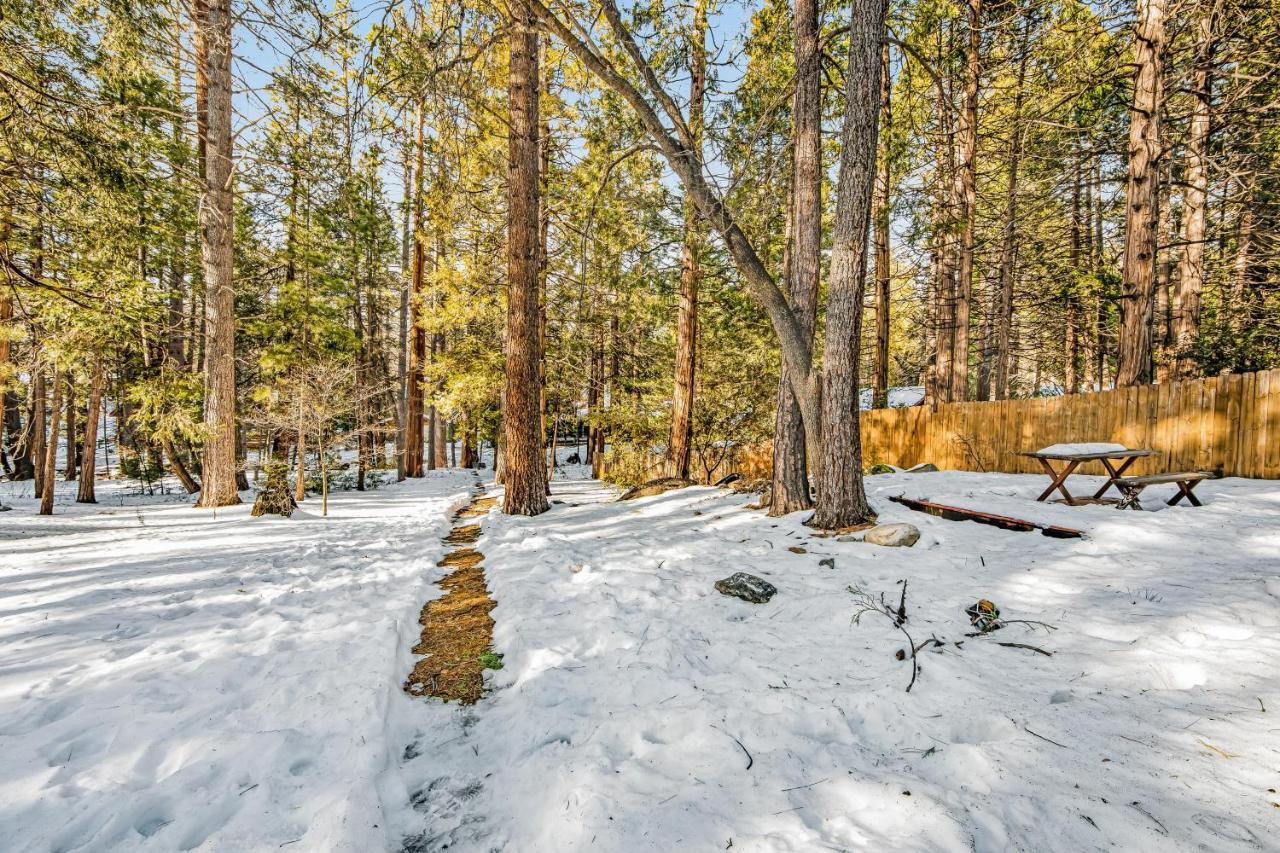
[727, 479]
[893, 535]
[796, 549]
[5, 507]
[275, 499]
[574, 459]
[655, 487]
[747, 587]
[880, 469]
[828, 562]
[922, 468]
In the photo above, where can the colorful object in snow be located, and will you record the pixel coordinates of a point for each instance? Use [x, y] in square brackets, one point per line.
[984, 615]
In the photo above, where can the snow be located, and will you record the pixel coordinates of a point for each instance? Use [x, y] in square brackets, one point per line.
[628, 682]
[179, 679]
[174, 679]
[900, 397]
[1082, 449]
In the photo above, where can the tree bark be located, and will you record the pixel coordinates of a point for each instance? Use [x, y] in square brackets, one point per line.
[1141, 216]
[1186, 311]
[71, 465]
[178, 467]
[216, 233]
[50, 461]
[89, 465]
[881, 211]
[842, 500]
[523, 474]
[413, 448]
[679, 447]
[790, 486]
[966, 189]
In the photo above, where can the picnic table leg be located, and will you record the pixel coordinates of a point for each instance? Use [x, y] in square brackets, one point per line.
[1129, 499]
[1114, 474]
[1184, 491]
[1058, 480]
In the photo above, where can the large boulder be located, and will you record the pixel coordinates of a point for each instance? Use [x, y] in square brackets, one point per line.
[655, 487]
[747, 587]
[893, 535]
[922, 468]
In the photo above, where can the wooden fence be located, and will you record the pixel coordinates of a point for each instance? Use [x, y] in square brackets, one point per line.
[1229, 424]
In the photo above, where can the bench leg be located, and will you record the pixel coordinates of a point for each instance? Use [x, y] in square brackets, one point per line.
[1184, 491]
[1130, 497]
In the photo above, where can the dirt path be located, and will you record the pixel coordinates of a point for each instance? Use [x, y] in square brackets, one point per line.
[457, 630]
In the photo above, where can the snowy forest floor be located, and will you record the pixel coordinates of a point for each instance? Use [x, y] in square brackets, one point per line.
[171, 680]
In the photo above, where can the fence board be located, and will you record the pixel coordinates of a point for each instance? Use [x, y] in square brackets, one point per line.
[1226, 423]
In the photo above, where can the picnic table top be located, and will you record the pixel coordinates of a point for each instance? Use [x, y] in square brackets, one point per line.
[1086, 457]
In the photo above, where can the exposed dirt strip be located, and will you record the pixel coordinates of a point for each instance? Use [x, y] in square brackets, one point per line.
[457, 630]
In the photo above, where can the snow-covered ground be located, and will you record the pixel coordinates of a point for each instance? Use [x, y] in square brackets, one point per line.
[177, 679]
[638, 709]
[171, 679]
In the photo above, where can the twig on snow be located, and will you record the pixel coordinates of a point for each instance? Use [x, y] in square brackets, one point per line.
[750, 759]
[1045, 739]
[801, 787]
[1025, 646]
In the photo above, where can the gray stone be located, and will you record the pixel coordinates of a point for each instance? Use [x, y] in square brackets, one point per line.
[747, 587]
[881, 468]
[922, 468]
[5, 508]
[827, 562]
[893, 535]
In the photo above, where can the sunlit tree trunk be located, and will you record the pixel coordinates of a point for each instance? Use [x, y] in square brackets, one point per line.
[89, 466]
[1141, 215]
[523, 472]
[216, 227]
[842, 500]
[50, 461]
[966, 187]
[414, 413]
[790, 486]
[680, 445]
[1186, 311]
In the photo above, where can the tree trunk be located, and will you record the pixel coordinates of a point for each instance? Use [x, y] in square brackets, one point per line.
[966, 186]
[89, 467]
[38, 423]
[413, 449]
[1186, 312]
[842, 501]
[680, 445]
[71, 465]
[16, 445]
[523, 473]
[300, 480]
[216, 232]
[178, 467]
[1137, 287]
[881, 211]
[51, 448]
[402, 354]
[790, 486]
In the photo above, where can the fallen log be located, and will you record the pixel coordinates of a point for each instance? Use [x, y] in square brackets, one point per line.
[1004, 522]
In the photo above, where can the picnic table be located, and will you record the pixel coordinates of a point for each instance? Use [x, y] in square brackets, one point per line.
[1116, 460]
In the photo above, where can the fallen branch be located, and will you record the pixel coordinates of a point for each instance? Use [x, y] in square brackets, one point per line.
[865, 603]
[1043, 738]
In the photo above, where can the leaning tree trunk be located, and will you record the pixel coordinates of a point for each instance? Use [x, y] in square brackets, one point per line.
[1137, 287]
[790, 488]
[1186, 312]
[216, 225]
[89, 464]
[680, 446]
[50, 460]
[842, 500]
[523, 474]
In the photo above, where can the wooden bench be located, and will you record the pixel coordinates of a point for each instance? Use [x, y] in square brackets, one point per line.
[1131, 487]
